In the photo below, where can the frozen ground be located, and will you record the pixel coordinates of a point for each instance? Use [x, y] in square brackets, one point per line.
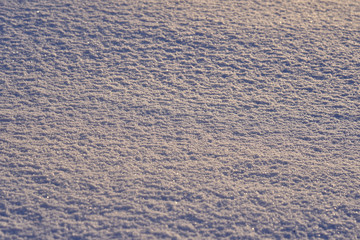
[198, 119]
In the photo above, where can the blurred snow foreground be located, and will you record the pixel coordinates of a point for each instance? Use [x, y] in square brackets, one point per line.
[179, 119]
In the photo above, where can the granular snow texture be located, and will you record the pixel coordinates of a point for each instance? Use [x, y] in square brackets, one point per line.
[187, 119]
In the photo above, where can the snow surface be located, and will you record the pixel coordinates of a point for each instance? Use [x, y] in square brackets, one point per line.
[188, 119]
